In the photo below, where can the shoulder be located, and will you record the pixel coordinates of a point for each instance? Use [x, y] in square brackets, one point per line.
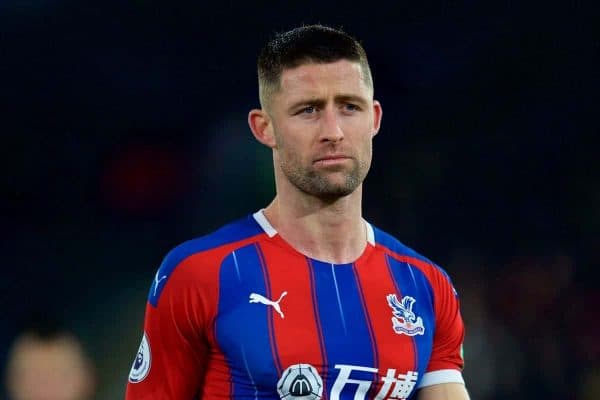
[397, 250]
[204, 254]
[395, 247]
[237, 232]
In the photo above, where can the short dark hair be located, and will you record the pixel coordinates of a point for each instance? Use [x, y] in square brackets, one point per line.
[305, 45]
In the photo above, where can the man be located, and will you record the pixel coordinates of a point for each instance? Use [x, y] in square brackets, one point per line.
[304, 299]
[48, 365]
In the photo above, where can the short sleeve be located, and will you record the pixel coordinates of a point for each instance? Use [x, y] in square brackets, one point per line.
[171, 358]
[446, 362]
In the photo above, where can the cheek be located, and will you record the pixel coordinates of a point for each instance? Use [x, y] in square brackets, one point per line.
[286, 150]
[367, 153]
[362, 139]
[291, 141]
[357, 129]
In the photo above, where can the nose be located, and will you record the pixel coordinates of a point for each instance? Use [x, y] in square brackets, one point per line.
[331, 130]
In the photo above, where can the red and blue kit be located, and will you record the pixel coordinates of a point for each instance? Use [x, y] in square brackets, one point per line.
[241, 314]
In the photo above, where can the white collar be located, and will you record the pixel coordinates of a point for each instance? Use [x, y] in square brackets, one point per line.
[264, 223]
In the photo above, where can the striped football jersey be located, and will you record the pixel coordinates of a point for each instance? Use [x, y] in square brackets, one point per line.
[240, 313]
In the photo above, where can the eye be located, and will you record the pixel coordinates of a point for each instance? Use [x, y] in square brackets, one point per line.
[351, 107]
[307, 110]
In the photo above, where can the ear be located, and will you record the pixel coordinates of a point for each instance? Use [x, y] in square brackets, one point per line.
[377, 114]
[261, 127]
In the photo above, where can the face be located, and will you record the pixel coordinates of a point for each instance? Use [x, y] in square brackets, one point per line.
[323, 120]
[48, 370]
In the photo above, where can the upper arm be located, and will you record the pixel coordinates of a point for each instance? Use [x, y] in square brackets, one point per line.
[446, 362]
[444, 391]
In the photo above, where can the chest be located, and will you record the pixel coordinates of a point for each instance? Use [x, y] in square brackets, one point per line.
[298, 326]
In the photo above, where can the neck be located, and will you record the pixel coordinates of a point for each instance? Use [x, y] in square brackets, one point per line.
[331, 231]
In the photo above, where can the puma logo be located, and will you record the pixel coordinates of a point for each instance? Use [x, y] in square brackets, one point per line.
[257, 298]
[157, 281]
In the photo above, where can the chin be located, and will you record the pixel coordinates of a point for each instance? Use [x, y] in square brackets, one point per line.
[337, 191]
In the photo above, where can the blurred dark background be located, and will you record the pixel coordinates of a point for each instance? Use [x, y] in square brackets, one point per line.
[124, 133]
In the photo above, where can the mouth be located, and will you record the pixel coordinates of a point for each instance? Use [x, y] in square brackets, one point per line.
[332, 160]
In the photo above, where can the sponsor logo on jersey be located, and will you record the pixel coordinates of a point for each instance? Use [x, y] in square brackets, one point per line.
[394, 386]
[141, 364]
[404, 320]
[303, 381]
[258, 298]
[300, 381]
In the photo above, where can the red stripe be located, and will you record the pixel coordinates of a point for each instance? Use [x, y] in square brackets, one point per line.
[374, 387]
[270, 312]
[297, 332]
[325, 369]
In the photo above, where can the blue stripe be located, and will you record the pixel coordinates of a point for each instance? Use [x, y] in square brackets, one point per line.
[242, 328]
[410, 281]
[233, 232]
[345, 328]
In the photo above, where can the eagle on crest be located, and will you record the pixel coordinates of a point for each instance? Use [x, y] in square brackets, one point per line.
[404, 320]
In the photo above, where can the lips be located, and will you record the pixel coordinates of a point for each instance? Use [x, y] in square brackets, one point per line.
[333, 157]
[334, 161]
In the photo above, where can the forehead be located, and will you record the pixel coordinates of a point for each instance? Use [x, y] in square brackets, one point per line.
[318, 79]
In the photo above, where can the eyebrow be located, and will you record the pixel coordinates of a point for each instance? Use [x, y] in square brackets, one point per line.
[319, 102]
